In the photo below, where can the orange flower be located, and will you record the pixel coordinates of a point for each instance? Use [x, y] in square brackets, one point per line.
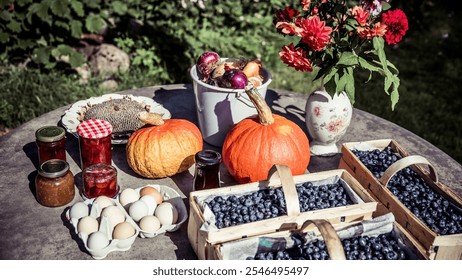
[315, 33]
[295, 58]
[360, 15]
[288, 28]
[305, 4]
[378, 30]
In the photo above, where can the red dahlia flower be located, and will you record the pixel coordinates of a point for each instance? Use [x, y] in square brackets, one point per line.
[378, 30]
[286, 15]
[315, 33]
[295, 58]
[397, 26]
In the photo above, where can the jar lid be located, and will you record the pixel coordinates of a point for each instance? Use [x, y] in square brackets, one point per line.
[94, 128]
[53, 168]
[50, 133]
[208, 157]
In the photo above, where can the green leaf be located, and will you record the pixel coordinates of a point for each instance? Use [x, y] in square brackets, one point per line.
[22, 3]
[363, 63]
[5, 15]
[76, 59]
[350, 84]
[119, 7]
[341, 82]
[385, 6]
[329, 75]
[4, 37]
[25, 44]
[76, 28]
[14, 26]
[94, 23]
[348, 59]
[394, 93]
[41, 10]
[60, 8]
[378, 43]
[78, 8]
[42, 55]
[62, 24]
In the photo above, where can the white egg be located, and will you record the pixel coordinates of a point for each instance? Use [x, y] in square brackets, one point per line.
[150, 202]
[138, 210]
[123, 231]
[97, 240]
[128, 196]
[150, 223]
[114, 215]
[166, 213]
[87, 225]
[79, 210]
[103, 202]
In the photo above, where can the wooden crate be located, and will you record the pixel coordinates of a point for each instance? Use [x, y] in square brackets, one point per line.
[202, 240]
[328, 232]
[437, 246]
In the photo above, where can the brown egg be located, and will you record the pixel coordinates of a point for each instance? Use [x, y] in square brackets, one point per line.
[152, 192]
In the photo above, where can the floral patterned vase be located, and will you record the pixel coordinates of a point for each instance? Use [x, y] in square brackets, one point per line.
[327, 119]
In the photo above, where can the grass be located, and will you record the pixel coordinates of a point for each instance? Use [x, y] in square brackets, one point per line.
[429, 61]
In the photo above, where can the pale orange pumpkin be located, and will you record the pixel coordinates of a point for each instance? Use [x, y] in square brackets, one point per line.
[256, 143]
[163, 149]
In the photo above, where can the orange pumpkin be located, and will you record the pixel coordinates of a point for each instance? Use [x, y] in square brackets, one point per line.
[256, 143]
[165, 148]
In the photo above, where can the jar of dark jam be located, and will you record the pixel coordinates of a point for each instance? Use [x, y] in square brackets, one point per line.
[207, 174]
[95, 142]
[51, 143]
[54, 183]
[98, 180]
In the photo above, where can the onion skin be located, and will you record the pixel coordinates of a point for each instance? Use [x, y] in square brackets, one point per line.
[206, 63]
[252, 68]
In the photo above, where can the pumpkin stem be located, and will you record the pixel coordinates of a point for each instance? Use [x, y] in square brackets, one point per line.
[264, 111]
[151, 118]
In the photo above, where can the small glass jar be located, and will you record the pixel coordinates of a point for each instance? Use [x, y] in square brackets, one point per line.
[51, 143]
[95, 142]
[54, 183]
[207, 174]
[98, 180]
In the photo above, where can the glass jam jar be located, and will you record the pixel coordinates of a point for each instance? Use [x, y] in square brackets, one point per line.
[95, 142]
[51, 143]
[207, 174]
[54, 183]
[98, 180]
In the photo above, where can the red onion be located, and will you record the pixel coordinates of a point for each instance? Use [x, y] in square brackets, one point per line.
[233, 78]
[206, 63]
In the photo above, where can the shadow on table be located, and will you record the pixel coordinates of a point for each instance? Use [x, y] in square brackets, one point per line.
[180, 102]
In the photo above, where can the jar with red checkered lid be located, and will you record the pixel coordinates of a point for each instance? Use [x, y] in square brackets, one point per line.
[95, 142]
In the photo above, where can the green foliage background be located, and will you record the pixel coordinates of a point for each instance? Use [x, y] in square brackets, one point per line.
[164, 39]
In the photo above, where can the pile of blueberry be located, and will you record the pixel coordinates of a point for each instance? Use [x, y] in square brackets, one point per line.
[270, 203]
[382, 247]
[427, 205]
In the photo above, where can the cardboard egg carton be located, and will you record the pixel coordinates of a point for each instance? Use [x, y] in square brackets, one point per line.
[168, 195]
[105, 226]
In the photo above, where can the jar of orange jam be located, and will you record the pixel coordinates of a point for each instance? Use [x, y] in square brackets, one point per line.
[54, 183]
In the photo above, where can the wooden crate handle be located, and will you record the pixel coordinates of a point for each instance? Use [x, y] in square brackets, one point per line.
[288, 187]
[330, 236]
[406, 162]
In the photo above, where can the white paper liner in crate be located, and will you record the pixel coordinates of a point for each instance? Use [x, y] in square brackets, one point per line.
[209, 217]
[105, 227]
[244, 248]
[172, 196]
